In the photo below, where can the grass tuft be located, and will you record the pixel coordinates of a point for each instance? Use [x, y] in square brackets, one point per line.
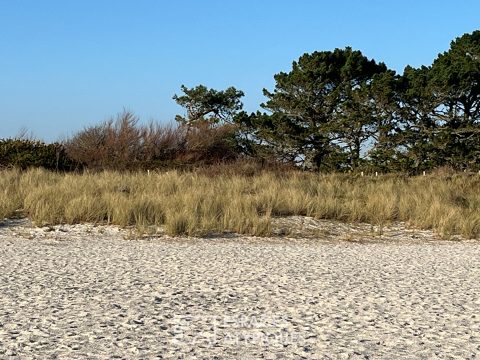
[193, 203]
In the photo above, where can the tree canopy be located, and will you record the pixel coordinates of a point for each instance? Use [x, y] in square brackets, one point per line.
[339, 110]
[208, 105]
[321, 110]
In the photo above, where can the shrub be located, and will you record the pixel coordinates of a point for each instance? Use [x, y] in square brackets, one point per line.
[25, 153]
[206, 145]
[123, 144]
[110, 145]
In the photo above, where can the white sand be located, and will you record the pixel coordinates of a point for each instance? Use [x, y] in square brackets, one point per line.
[86, 292]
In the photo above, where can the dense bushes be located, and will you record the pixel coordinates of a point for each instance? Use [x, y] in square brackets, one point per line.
[24, 153]
[123, 144]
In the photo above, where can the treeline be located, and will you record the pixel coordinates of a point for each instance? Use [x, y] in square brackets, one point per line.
[338, 110]
[333, 111]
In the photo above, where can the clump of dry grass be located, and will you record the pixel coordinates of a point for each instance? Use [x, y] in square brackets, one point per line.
[10, 197]
[193, 203]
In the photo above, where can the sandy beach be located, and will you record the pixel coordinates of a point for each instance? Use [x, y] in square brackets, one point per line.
[95, 292]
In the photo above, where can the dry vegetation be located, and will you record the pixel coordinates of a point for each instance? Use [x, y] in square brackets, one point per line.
[194, 203]
[123, 144]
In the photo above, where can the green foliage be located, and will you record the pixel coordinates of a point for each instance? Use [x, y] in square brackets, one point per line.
[455, 81]
[440, 110]
[338, 110]
[212, 106]
[211, 133]
[320, 111]
[24, 153]
[412, 144]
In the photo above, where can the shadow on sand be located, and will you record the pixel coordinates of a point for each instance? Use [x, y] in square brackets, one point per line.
[9, 223]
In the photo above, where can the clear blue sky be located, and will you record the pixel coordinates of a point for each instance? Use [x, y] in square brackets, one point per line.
[67, 64]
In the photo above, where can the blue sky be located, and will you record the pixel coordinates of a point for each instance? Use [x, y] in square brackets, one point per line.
[68, 64]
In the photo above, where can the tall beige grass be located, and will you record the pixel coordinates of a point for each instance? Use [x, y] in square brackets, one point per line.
[196, 204]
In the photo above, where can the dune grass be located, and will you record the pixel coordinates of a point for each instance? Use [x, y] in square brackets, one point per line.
[196, 204]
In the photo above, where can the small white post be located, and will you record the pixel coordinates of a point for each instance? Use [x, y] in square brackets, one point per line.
[424, 173]
[148, 172]
[376, 173]
[362, 173]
